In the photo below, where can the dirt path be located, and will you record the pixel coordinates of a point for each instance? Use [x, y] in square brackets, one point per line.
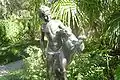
[4, 69]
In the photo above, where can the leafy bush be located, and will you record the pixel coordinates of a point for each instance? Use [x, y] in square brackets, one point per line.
[9, 32]
[85, 67]
[13, 75]
[35, 67]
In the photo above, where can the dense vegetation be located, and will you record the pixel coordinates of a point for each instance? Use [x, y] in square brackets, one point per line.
[99, 20]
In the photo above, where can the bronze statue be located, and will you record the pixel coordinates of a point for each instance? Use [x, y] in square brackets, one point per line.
[62, 43]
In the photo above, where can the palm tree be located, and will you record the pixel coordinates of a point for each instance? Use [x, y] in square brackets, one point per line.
[69, 13]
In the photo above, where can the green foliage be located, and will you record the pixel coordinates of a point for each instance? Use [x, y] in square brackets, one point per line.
[14, 75]
[98, 19]
[117, 73]
[69, 13]
[85, 67]
[18, 26]
[35, 68]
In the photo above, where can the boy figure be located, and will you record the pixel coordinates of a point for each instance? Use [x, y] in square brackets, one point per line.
[61, 42]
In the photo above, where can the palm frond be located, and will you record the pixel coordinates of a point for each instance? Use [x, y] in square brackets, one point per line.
[68, 12]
